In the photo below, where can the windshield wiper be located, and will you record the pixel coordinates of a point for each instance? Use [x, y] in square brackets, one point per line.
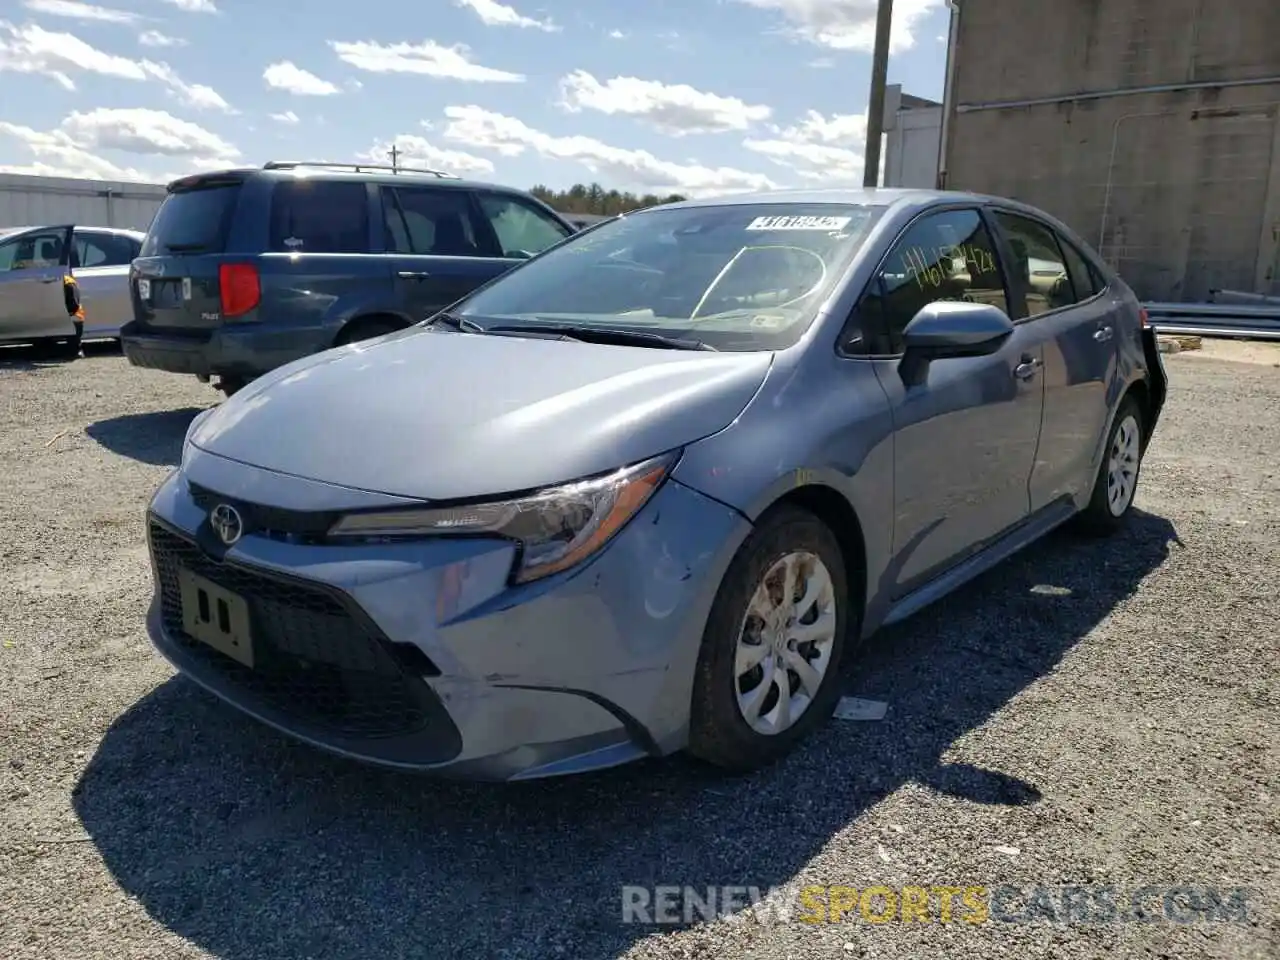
[590, 333]
[458, 323]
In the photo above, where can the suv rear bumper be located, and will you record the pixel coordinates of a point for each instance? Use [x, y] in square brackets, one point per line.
[244, 351]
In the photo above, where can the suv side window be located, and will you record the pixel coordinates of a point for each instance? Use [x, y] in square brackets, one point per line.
[522, 229]
[1040, 263]
[942, 256]
[319, 216]
[31, 252]
[432, 222]
[1084, 276]
[103, 249]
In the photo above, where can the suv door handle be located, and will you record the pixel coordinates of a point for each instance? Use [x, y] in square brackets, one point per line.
[1027, 368]
[48, 279]
[1103, 334]
[413, 275]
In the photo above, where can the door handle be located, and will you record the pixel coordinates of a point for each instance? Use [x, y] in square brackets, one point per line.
[413, 275]
[48, 279]
[1103, 334]
[1027, 368]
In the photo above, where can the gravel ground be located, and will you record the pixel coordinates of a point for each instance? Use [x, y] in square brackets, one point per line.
[1089, 713]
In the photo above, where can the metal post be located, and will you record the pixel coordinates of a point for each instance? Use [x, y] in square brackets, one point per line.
[875, 109]
[394, 154]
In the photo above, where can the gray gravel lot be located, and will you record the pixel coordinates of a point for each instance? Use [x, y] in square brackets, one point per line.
[1120, 729]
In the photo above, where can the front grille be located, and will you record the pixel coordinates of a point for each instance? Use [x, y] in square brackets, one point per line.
[314, 657]
[278, 523]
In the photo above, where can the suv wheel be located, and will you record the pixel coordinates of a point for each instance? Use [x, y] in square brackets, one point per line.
[366, 330]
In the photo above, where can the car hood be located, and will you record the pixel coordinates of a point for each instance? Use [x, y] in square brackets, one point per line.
[439, 415]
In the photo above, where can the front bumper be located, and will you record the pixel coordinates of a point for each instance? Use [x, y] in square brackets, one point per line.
[246, 350]
[419, 656]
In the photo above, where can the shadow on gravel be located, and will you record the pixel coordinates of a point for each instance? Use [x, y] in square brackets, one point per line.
[154, 437]
[251, 846]
[34, 357]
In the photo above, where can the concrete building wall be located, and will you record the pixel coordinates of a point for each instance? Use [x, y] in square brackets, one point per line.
[1178, 186]
[36, 201]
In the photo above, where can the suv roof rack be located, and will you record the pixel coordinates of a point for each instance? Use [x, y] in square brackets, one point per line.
[354, 167]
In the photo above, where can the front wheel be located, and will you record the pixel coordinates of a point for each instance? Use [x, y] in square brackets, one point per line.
[1117, 481]
[767, 670]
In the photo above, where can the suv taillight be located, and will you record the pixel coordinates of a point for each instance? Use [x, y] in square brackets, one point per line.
[239, 287]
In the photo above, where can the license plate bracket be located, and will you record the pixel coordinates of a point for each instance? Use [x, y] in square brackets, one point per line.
[216, 617]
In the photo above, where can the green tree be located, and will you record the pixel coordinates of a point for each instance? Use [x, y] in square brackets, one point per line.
[593, 198]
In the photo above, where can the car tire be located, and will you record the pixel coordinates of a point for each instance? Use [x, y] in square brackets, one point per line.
[365, 330]
[231, 385]
[1116, 483]
[727, 686]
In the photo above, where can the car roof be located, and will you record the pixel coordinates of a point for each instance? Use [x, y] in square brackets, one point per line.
[320, 172]
[860, 196]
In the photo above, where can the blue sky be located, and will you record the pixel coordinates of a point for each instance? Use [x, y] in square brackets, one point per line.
[696, 96]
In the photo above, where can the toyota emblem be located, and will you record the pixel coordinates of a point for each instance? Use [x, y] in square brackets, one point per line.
[226, 523]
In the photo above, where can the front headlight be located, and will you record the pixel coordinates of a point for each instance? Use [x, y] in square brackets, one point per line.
[555, 528]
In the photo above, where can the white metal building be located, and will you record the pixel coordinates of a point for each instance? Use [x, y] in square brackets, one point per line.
[35, 201]
[913, 136]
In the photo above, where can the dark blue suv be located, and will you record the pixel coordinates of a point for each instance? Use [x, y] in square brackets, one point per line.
[245, 270]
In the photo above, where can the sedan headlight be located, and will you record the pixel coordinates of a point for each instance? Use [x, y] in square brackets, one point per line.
[555, 528]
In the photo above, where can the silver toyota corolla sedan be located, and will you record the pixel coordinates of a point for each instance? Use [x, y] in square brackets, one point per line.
[33, 263]
[646, 491]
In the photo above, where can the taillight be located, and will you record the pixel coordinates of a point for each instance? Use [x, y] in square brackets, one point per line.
[239, 288]
[1143, 319]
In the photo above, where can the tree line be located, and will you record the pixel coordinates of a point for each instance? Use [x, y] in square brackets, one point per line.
[593, 198]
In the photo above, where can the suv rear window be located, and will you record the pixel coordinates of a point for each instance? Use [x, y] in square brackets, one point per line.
[318, 216]
[193, 220]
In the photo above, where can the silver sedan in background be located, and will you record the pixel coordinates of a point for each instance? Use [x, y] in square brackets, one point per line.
[33, 263]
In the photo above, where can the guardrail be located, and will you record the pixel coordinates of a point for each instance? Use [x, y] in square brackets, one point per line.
[1237, 320]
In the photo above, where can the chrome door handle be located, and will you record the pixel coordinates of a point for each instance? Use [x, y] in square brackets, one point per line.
[413, 275]
[1027, 368]
[1103, 334]
[48, 279]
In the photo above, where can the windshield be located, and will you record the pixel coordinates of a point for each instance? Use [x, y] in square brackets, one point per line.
[748, 277]
[192, 221]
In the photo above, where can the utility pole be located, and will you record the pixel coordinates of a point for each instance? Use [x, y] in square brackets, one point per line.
[875, 109]
[394, 154]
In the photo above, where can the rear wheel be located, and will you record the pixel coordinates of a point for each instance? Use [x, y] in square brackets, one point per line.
[366, 330]
[1117, 480]
[767, 670]
[230, 385]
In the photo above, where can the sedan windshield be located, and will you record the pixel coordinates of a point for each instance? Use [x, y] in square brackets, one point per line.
[737, 277]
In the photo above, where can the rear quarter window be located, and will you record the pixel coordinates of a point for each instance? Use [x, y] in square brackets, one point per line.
[195, 220]
[318, 216]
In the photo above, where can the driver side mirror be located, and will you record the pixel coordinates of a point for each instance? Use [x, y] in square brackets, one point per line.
[947, 328]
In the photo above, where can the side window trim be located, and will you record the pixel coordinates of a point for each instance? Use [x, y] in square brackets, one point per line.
[389, 207]
[1096, 277]
[890, 248]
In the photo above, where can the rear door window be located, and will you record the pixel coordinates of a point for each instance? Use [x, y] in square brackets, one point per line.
[32, 252]
[319, 216]
[1083, 276]
[103, 249]
[1039, 262]
[433, 222]
[522, 229]
[193, 220]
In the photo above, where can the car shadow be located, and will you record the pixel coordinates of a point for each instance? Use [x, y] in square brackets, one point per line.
[31, 357]
[154, 437]
[252, 846]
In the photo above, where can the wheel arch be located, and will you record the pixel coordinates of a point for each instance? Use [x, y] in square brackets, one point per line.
[369, 319]
[838, 514]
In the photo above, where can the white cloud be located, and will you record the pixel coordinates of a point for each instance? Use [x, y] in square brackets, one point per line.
[70, 149]
[195, 6]
[818, 148]
[617, 35]
[427, 58]
[849, 24]
[75, 10]
[293, 79]
[485, 130]
[288, 117]
[195, 95]
[154, 38]
[415, 151]
[677, 109]
[494, 14]
[32, 49]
